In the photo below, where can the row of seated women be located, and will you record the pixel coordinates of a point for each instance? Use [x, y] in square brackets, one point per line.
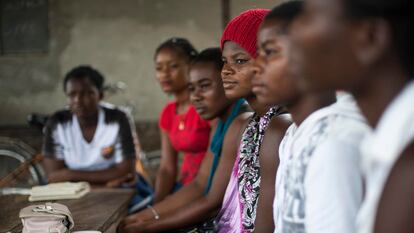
[311, 124]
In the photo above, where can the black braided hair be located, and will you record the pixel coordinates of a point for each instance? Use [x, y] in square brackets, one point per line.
[180, 45]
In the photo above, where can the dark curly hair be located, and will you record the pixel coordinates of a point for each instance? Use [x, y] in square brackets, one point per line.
[85, 71]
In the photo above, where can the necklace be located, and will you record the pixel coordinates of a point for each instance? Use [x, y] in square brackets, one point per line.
[181, 124]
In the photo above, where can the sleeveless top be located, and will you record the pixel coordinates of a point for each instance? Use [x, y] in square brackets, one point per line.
[238, 212]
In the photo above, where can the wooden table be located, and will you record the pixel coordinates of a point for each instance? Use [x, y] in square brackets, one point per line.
[101, 210]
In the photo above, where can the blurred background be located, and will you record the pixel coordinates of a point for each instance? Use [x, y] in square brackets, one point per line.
[41, 40]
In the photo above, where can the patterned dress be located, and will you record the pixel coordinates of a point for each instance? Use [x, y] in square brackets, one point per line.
[238, 212]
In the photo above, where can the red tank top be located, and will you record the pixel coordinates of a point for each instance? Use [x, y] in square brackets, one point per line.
[189, 134]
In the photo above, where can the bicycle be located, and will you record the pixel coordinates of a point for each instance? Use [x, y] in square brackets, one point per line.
[19, 165]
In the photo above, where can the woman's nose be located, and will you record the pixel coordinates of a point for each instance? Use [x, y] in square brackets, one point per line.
[226, 70]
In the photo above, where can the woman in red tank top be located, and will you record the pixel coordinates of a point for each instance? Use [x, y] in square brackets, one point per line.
[182, 129]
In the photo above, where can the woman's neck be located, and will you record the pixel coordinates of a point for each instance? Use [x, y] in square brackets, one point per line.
[309, 103]
[224, 115]
[88, 121]
[183, 100]
[378, 92]
[257, 107]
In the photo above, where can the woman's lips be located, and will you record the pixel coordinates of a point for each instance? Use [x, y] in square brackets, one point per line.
[257, 84]
[229, 84]
[165, 83]
[258, 89]
[201, 109]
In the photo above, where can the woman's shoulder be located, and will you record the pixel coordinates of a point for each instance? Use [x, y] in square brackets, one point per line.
[167, 115]
[58, 118]
[239, 124]
[169, 108]
[114, 113]
[242, 118]
[280, 123]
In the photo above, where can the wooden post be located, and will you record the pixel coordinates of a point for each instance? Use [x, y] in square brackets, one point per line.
[1, 27]
[225, 12]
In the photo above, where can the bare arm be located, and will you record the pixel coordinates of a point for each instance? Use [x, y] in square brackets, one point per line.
[396, 206]
[180, 198]
[269, 162]
[205, 206]
[167, 172]
[58, 172]
[183, 196]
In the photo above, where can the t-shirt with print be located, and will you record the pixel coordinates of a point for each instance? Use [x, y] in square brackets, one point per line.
[111, 144]
[284, 150]
[322, 181]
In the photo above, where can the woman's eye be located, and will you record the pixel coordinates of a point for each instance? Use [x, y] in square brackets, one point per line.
[269, 52]
[205, 86]
[174, 66]
[191, 88]
[241, 61]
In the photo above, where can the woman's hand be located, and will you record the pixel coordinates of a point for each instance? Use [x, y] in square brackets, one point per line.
[129, 180]
[60, 176]
[132, 227]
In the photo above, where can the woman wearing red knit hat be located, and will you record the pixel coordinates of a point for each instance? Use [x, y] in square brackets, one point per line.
[254, 170]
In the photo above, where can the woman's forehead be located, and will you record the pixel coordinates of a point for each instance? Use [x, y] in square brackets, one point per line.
[79, 82]
[204, 71]
[230, 48]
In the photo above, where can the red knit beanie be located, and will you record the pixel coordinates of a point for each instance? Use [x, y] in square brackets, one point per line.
[243, 30]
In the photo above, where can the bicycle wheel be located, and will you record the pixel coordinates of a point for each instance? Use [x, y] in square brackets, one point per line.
[13, 153]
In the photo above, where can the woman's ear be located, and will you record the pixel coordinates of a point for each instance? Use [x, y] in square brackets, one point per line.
[372, 40]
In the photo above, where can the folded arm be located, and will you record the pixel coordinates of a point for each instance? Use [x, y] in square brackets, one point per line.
[58, 172]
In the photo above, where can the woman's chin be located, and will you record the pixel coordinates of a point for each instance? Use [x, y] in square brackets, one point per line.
[234, 95]
[167, 90]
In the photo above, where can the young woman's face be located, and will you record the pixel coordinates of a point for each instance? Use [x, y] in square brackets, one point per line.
[237, 72]
[83, 97]
[171, 71]
[274, 84]
[206, 91]
[325, 47]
